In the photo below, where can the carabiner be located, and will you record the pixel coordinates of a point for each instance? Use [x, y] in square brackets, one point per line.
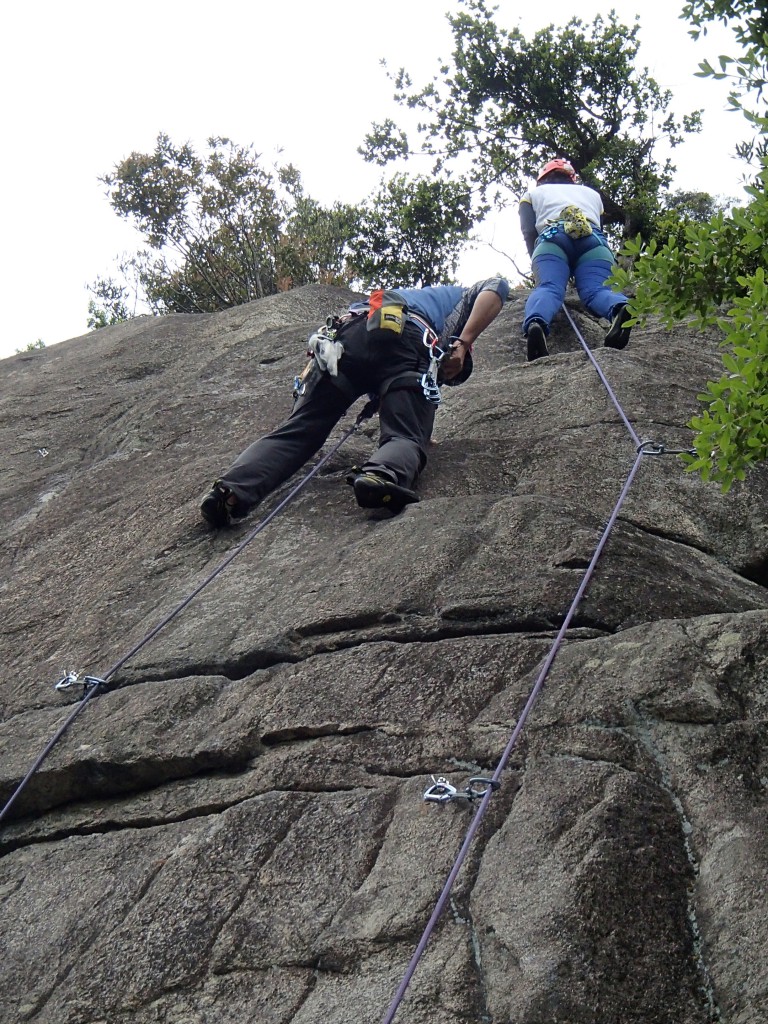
[67, 680]
[441, 791]
[430, 388]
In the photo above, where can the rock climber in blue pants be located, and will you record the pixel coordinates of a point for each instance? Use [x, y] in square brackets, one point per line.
[560, 221]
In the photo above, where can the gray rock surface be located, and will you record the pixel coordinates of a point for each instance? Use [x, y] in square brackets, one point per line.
[234, 831]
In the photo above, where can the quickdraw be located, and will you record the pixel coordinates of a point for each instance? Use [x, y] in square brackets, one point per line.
[431, 341]
[442, 791]
[93, 684]
[657, 448]
[87, 682]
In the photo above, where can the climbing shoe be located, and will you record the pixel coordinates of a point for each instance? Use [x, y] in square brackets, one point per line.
[618, 334]
[375, 491]
[537, 341]
[220, 507]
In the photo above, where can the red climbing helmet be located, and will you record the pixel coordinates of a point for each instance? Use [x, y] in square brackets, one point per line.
[565, 166]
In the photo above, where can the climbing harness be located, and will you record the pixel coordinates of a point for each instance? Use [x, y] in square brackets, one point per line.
[386, 316]
[442, 791]
[92, 685]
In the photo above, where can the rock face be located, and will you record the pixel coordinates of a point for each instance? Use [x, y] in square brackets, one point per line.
[234, 830]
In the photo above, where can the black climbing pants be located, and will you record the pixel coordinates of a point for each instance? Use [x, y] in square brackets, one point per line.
[390, 368]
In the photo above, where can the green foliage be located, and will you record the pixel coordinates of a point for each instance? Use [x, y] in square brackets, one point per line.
[673, 217]
[690, 274]
[683, 205]
[221, 230]
[211, 225]
[32, 346]
[108, 306]
[512, 103]
[411, 232]
[748, 71]
[732, 432]
[315, 243]
[714, 273]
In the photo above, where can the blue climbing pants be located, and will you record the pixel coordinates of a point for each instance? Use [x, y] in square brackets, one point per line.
[557, 258]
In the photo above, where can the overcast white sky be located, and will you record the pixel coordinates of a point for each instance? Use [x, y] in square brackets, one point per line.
[86, 82]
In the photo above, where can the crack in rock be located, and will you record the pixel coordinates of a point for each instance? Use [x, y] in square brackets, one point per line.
[643, 733]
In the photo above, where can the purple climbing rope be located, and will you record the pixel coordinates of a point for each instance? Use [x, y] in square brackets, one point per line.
[95, 683]
[602, 377]
[533, 696]
[642, 450]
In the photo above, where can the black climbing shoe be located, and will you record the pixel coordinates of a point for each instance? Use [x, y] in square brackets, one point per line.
[220, 506]
[618, 334]
[537, 341]
[374, 491]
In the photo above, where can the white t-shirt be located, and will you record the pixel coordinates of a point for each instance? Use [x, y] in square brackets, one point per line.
[549, 200]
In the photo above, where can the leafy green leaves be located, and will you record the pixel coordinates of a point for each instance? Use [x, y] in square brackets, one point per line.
[732, 432]
[714, 274]
[411, 232]
[221, 229]
[108, 305]
[212, 224]
[512, 102]
[716, 271]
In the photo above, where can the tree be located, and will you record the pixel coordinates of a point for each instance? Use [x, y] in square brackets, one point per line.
[684, 204]
[411, 232]
[716, 272]
[222, 229]
[317, 240]
[749, 71]
[682, 208]
[108, 305]
[511, 103]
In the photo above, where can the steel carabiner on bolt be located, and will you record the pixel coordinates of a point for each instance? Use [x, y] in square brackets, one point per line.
[473, 793]
[441, 791]
[88, 682]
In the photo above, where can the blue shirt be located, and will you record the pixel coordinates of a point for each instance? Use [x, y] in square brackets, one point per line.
[447, 307]
[435, 303]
